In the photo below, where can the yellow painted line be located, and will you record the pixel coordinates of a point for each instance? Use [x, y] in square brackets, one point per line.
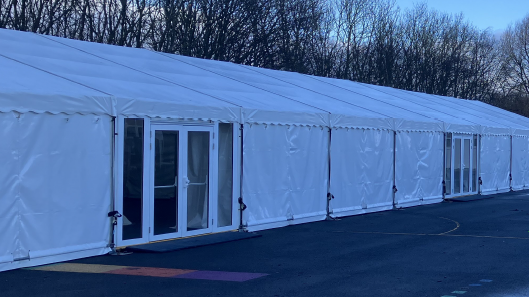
[424, 234]
[457, 226]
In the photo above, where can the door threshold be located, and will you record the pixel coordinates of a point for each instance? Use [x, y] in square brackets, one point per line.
[172, 239]
[176, 244]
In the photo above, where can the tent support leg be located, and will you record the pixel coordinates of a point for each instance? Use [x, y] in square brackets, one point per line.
[394, 169]
[242, 206]
[330, 196]
[444, 166]
[510, 168]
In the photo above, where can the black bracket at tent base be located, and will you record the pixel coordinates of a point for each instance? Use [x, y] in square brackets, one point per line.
[328, 217]
[114, 214]
[395, 190]
[242, 207]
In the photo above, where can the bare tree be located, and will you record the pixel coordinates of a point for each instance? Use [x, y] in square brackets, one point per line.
[515, 56]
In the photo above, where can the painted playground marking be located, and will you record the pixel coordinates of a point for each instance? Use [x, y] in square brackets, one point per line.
[151, 271]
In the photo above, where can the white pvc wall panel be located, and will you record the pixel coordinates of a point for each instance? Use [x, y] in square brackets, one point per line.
[285, 174]
[361, 170]
[419, 167]
[60, 179]
[520, 162]
[495, 163]
[9, 222]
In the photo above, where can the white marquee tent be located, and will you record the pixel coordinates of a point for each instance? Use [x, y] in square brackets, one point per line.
[287, 144]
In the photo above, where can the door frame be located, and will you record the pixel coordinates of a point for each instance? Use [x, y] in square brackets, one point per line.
[118, 189]
[471, 191]
[183, 131]
[213, 179]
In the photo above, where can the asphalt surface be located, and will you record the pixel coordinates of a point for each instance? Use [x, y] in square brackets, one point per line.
[473, 248]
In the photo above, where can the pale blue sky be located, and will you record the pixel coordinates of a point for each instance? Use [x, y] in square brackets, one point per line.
[482, 13]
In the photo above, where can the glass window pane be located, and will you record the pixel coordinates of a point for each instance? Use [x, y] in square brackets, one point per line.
[466, 165]
[457, 166]
[133, 179]
[448, 163]
[198, 175]
[165, 178]
[225, 195]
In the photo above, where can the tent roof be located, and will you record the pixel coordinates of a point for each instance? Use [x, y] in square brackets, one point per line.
[55, 75]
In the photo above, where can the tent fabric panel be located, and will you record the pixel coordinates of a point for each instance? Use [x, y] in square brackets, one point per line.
[65, 255]
[257, 116]
[495, 163]
[333, 93]
[56, 103]
[285, 173]
[520, 163]
[419, 167]
[164, 109]
[511, 115]
[193, 77]
[397, 99]
[9, 183]
[361, 169]
[490, 113]
[293, 94]
[99, 74]
[64, 164]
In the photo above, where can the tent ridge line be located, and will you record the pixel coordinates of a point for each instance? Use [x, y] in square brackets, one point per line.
[248, 84]
[251, 69]
[433, 109]
[472, 106]
[54, 74]
[134, 69]
[348, 90]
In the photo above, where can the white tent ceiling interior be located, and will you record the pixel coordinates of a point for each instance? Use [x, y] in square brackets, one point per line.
[58, 98]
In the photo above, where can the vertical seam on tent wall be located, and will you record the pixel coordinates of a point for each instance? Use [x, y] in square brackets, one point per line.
[54, 74]
[18, 245]
[444, 165]
[510, 165]
[112, 239]
[329, 194]
[480, 180]
[137, 70]
[239, 81]
[241, 131]
[394, 169]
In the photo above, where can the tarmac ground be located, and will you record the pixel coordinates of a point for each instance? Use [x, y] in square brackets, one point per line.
[476, 247]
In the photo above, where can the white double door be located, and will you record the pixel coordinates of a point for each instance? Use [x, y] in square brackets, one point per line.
[463, 177]
[181, 187]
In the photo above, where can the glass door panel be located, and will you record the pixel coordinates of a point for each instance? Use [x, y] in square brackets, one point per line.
[165, 210]
[132, 226]
[466, 165]
[197, 181]
[457, 165]
[448, 162]
[474, 163]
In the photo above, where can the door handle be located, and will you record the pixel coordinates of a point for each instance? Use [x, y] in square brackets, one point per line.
[185, 181]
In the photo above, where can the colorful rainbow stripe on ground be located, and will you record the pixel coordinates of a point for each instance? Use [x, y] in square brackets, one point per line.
[152, 271]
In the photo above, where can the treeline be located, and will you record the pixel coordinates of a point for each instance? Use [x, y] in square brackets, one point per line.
[369, 41]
